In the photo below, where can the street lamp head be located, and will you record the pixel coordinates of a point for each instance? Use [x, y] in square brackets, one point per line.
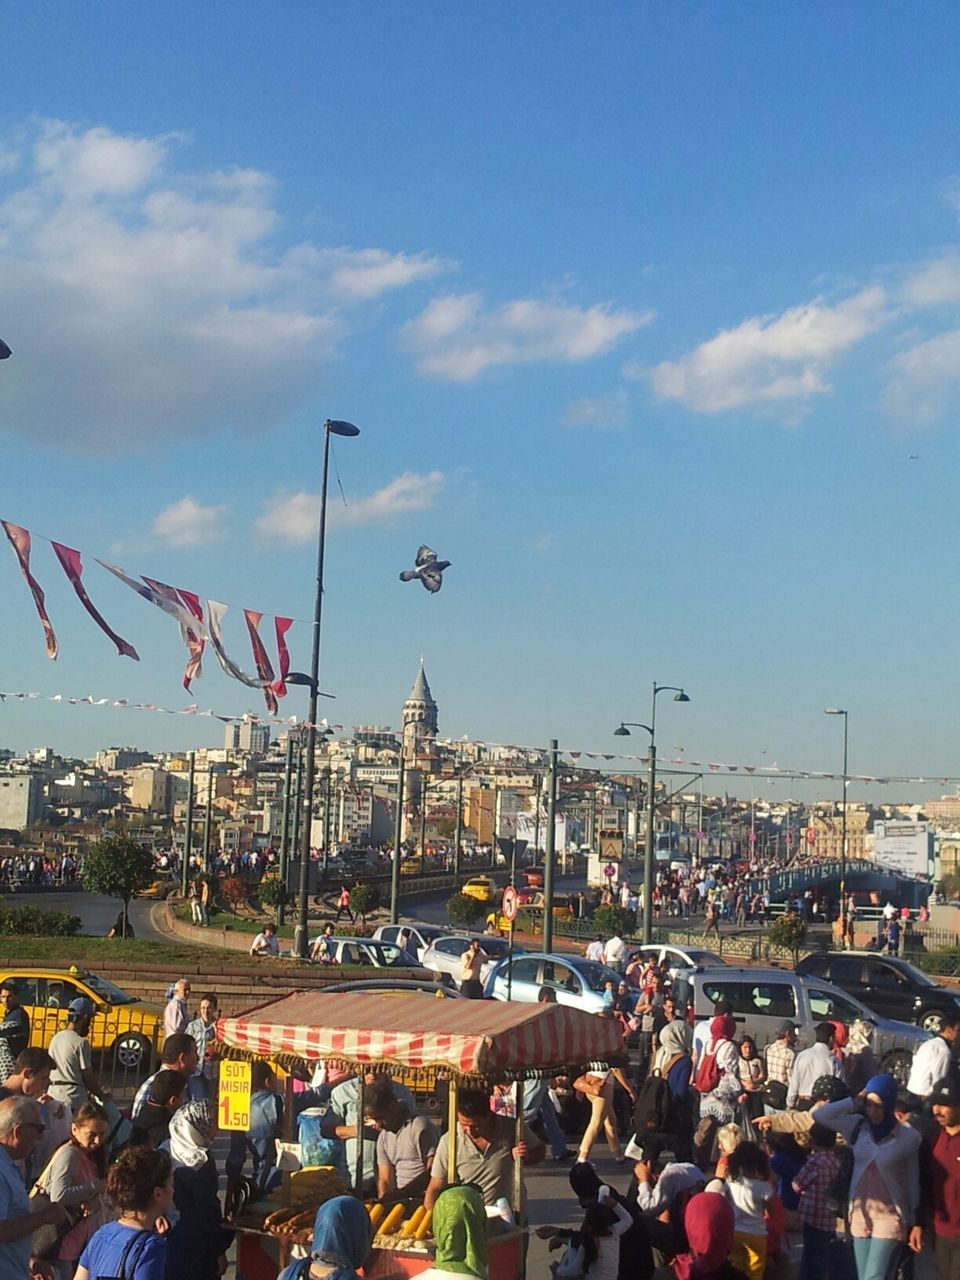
[681, 697]
[622, 732]
[834, 711]
[5, 352]
[337, 428]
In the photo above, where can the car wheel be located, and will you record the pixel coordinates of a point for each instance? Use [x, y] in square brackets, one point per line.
[132, 1052]
[932, 1021]
[897, 1064]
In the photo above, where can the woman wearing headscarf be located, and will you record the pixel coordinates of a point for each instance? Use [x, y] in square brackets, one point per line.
[341, 1242]
[460, 1230]
[197, 1242]
[859, 1063]
[675, 1065]
[719, 1105]
[885, 1181]
[708, 1222]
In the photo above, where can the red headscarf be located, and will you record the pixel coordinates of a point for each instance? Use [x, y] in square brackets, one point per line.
[708, 1222]
[723, 1027]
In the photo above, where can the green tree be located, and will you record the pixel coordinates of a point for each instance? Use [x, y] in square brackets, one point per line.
[614, 919]
[118, 867]
[788, 932]
[462, 909]
[364, 898]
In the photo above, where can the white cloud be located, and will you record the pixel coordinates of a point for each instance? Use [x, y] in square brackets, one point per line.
[293, 518]
[768, 359]
[924, 378]
[456, 339]
[146, 301]
[936, 283]
[597, 411]
[188, 524]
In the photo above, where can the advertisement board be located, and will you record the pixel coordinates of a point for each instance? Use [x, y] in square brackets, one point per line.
[903, 846]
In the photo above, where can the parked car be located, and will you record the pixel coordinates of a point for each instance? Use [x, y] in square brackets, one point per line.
[391, 986]
[482, 888]
[680, 959]
[887, 984]
[762, 998]
[382, 955]
[421, 935]
[443, 954]
[577, 982]
[129, 1029]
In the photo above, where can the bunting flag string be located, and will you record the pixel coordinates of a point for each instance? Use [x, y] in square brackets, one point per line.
[182, 605]
[73, 567]
[20, 541]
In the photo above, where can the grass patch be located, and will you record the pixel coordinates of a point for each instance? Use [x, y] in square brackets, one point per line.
[91, 952]
[239, 924]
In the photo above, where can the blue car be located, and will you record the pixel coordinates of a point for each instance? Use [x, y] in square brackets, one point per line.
[576, 981]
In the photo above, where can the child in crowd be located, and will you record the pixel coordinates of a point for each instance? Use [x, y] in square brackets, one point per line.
[594, 1250]
[729, 1137]
[817, 1220]
[748, 1188]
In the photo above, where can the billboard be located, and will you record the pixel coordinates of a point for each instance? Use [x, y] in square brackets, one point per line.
[903, 846]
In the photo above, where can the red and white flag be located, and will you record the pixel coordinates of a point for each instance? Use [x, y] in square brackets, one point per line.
[20, 541]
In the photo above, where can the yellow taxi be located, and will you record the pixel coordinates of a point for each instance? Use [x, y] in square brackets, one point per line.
[129, 1029]
[480, 887]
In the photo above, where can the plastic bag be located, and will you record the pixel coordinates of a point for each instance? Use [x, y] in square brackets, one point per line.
[314, 1147]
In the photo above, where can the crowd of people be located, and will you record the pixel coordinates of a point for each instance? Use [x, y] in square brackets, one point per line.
[739, 1161]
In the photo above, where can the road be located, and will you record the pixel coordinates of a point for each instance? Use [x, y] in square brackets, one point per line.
[96, 913]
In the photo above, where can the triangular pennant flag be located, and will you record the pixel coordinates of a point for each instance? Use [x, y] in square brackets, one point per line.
[264, 669]
[73, 567]
[194, 638]
[20, 541]
[215, 615]
[281, 626]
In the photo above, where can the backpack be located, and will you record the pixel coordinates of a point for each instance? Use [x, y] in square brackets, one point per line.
[707, 1075]
[653, 1101]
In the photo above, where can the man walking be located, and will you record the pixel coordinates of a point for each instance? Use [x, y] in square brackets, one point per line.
[932, 1061]
[943, 1159]
[14, 1027]
[471, 966]
[810, 1064]
[176, 1014]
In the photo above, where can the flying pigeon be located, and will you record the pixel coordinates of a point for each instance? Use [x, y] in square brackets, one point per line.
[428, 569]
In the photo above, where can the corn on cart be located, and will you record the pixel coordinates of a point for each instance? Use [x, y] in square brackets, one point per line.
[477, 1042]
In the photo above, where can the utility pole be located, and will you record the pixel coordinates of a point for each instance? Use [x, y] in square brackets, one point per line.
[397, 836]
[188, 834]
[285, 826]
[551, 850]
[206, 823]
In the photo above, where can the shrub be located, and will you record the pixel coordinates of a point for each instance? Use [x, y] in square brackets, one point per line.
[234, 891]
[462, 909]
[364, 898]
[273, 893]
[32, 922]
[788, 932]
[613, 919]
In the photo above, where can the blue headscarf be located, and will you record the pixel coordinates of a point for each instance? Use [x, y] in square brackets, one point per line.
[885, 1088]
[341, 1239]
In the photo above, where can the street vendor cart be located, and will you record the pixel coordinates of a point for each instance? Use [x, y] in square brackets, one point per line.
[477, 1042]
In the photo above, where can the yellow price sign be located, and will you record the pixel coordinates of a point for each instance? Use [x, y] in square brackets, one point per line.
[235, 1090]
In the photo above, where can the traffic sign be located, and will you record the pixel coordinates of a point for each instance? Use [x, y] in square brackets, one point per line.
[610, 870]
[235, 1090]
[510, 904]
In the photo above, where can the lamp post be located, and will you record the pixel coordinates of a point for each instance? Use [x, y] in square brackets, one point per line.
[188, 833]
[624, 732]
[840, 711]
[547, 934]
[285, 827]
[397, 837]
[300, 938]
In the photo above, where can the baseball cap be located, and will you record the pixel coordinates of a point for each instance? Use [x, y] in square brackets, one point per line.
[784, 1027]
[946, 1092]
[82, 1007]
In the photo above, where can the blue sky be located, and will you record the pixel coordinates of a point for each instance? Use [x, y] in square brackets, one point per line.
[642, 311]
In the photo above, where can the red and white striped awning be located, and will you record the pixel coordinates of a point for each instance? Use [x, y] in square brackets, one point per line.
[407, 1029]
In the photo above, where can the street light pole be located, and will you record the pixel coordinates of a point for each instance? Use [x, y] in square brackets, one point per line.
[188, 834]
[285, 826]
[648, 859]
[397, 836]
[840, 711]
[550, 850]
[301, 939]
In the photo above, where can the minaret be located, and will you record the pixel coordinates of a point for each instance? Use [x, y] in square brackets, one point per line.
[419, 719]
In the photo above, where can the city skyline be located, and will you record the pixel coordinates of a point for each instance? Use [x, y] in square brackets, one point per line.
[647, 319]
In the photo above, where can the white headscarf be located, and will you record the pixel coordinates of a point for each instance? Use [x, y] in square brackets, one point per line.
[191, 1132]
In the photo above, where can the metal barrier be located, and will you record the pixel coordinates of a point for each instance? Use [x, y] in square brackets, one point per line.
[125, 1040]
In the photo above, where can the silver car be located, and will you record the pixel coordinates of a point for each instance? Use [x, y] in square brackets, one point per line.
[575, 980]
[763, 998]
[443, 954]
[420, 935]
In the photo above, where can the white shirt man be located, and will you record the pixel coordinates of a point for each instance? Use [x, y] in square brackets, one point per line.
[810, 1064]
[931, 1062]
[595, 950]
[615, 952]
[176, 1014]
